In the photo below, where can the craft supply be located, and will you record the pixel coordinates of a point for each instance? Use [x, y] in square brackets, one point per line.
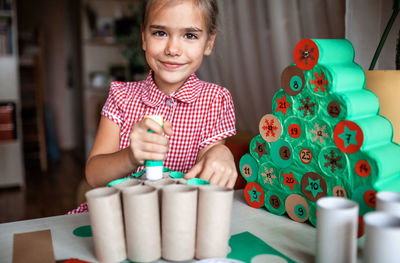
[248, 167]
[275, 202]
[213, 221]
[259, 148]
[336, 230]
[254, 195]
[35, 247]
[388, 202]
[127, 183]
[142, 223]
[270, 128]
[382, 238]
[105, 215]
[297, 208]
[268, 176]
[179, 210]
[154, 169]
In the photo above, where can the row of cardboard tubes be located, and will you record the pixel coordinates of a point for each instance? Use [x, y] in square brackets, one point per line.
[145, 221]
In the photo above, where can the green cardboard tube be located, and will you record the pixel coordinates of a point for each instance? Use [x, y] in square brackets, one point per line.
[268, 176]
[260, 149]
[377, 131]
[248, 167]
[345, 77]
[334, 51]
[387, 159]
[275, 202]
[360, 104]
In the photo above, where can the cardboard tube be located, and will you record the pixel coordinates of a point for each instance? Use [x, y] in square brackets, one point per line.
[388, 202]
[336, 230]
[142, 223]
[179, 209]
[128, 183]
[213, 221]
[105, 215]
[160, 183]
[382, 238]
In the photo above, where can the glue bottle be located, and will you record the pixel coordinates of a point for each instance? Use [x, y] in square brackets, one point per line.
[154, 169]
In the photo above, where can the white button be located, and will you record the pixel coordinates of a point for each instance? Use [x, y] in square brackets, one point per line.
[168, 102]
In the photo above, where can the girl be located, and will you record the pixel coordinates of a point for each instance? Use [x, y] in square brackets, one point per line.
[176, 34]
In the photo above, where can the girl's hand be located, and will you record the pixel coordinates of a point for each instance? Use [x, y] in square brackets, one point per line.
[215, 164]
[145, 145]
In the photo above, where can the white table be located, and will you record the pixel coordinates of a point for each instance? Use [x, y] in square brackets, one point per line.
[295, 240]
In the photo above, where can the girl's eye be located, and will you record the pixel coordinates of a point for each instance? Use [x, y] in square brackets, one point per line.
[190, 36]
[159, 33]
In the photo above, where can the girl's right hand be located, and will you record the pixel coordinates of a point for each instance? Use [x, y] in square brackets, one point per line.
[145, 145]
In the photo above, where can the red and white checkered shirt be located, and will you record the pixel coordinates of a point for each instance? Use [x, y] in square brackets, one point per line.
[201, 113]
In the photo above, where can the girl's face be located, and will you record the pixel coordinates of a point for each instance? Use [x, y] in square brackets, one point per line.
[175, 40]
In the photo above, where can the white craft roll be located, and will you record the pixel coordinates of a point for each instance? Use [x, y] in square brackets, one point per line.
[388, 202]
[142, 223]
[105, 215]
[127, 183]
[382, 238]
[179, 210]
[213, 221]
[336, 230]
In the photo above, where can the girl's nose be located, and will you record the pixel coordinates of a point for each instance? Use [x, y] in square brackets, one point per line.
[173, 48]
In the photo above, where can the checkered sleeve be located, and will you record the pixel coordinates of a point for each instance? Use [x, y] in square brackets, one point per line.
[113, 108]
[220, 122]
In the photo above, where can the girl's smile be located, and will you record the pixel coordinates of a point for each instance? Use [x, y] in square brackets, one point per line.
[175, 40]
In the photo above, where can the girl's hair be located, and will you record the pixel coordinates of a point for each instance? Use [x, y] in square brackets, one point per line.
[209, 8]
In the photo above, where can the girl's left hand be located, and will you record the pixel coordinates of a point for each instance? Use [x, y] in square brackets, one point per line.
[215, 164]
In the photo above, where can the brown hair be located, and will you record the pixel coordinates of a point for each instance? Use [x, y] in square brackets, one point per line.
[209, 8]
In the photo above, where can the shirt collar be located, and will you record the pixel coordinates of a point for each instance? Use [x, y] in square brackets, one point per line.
[188, 93]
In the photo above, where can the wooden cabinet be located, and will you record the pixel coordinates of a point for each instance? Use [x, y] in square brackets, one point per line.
[11, 156]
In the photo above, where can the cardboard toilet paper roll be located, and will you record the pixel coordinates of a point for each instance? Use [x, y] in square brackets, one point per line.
[128, 183]
[105, 215]
[388, 202]
[213, 221]
[142, 223]
[336, 230]
[178, 216]
[382, 238]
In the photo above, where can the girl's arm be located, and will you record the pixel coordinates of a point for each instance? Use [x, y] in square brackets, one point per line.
[215, 163]
[107, 163]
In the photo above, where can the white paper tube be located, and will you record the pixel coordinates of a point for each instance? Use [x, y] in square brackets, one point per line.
[213, 221]
[336, 230]
[179, 210]
[160, 183]
[142, 223]
[388, 202]
[105, 215]
[127, 183]
[382, 238]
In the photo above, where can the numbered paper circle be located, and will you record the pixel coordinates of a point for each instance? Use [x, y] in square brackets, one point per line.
[339, 191]
[348, 136]
[281, 153]
[275, 202]
[270, 128]
[248, 167]
[292, 80]
[297, 208]
[254, 195]
[363, 168]
[334, 109]
[313, 186]
[306, 54]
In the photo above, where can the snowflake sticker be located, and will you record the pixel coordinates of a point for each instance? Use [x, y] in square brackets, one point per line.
[320, 133]
[319, 81]
[333, 161]
[270, 128]
[307, 107]
[269, 176]
[306, 54]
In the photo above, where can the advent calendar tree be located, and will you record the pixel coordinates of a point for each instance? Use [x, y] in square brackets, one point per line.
[324, 137]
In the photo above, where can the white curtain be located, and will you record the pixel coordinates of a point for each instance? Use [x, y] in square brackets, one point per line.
[255, 42]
